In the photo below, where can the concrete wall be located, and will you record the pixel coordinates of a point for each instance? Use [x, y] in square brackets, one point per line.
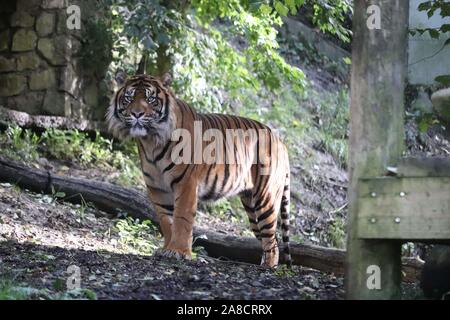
[40, 69]
[424, 63]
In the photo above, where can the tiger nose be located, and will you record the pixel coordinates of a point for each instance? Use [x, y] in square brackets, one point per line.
[137, 114]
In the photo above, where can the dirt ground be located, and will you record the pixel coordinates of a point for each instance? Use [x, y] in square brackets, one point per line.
[40, 238]
[125, 276]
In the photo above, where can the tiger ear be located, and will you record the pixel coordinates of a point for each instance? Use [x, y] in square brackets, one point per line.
[120, 78]
[167, 79]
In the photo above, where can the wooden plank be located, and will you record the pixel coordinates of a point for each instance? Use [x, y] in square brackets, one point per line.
[414, 208]
[424, 167]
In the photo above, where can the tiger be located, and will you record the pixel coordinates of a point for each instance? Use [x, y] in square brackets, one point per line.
[146, 109]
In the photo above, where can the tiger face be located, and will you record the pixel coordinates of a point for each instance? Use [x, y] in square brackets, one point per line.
[140, 108]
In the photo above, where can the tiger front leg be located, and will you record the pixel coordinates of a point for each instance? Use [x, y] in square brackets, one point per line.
[163, 204]
[180, 245]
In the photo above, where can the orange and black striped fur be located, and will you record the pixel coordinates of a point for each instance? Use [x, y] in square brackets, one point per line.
[145, 108]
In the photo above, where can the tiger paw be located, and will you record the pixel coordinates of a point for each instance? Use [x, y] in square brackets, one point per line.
[174, 254]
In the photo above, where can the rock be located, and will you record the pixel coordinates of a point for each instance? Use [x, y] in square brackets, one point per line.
[30, 6]
[7, 64]
[24, 40]
[42, 80]
[46, 48]
[70, 81]
[45, 24]
[441, 104]
[53, 50]
[91, 95]
[54, 4]
[422, 103]
[55, 103]
[12, 84]
[22, 19]
[28, 61]
[30, 102]
[4, 40]
[61, 25]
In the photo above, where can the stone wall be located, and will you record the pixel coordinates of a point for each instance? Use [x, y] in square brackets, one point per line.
[40, 60]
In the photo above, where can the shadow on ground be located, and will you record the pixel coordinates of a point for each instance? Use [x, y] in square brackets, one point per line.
[126, 276]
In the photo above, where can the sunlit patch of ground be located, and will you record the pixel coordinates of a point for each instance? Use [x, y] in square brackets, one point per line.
[44, 220]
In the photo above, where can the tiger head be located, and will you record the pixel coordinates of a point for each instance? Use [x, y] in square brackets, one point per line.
[141, 108]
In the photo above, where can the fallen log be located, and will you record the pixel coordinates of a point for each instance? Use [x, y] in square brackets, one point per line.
[40, 123]
[115, 199]
[249, 250]
[106, 196]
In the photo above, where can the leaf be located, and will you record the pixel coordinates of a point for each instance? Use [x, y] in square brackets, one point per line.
[433, 33]
[292, 6]
[445, 28]
[281, 8]
[444, 79]
[90, 294]
[60, 194]
[423, 126]
[265, 9]
[424, 6]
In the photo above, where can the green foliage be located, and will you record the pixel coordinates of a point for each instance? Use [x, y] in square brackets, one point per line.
[56, 195]
[332, 117]
[219, 51]
[96, 49]
[444, 79]
[299, 51]
[140, 236]
[74, 147]
[228, 210]
[19, 144]
[284, 271]
[425, 120]
[422, 115]
[431, 8]
[141, 28]
[207, 67]
[79, 148]
[330, 17]
[83, 206]
[256, 26]
[336, 233]
[9, 290]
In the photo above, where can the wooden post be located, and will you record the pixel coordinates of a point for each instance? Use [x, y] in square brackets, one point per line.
[376, 138]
